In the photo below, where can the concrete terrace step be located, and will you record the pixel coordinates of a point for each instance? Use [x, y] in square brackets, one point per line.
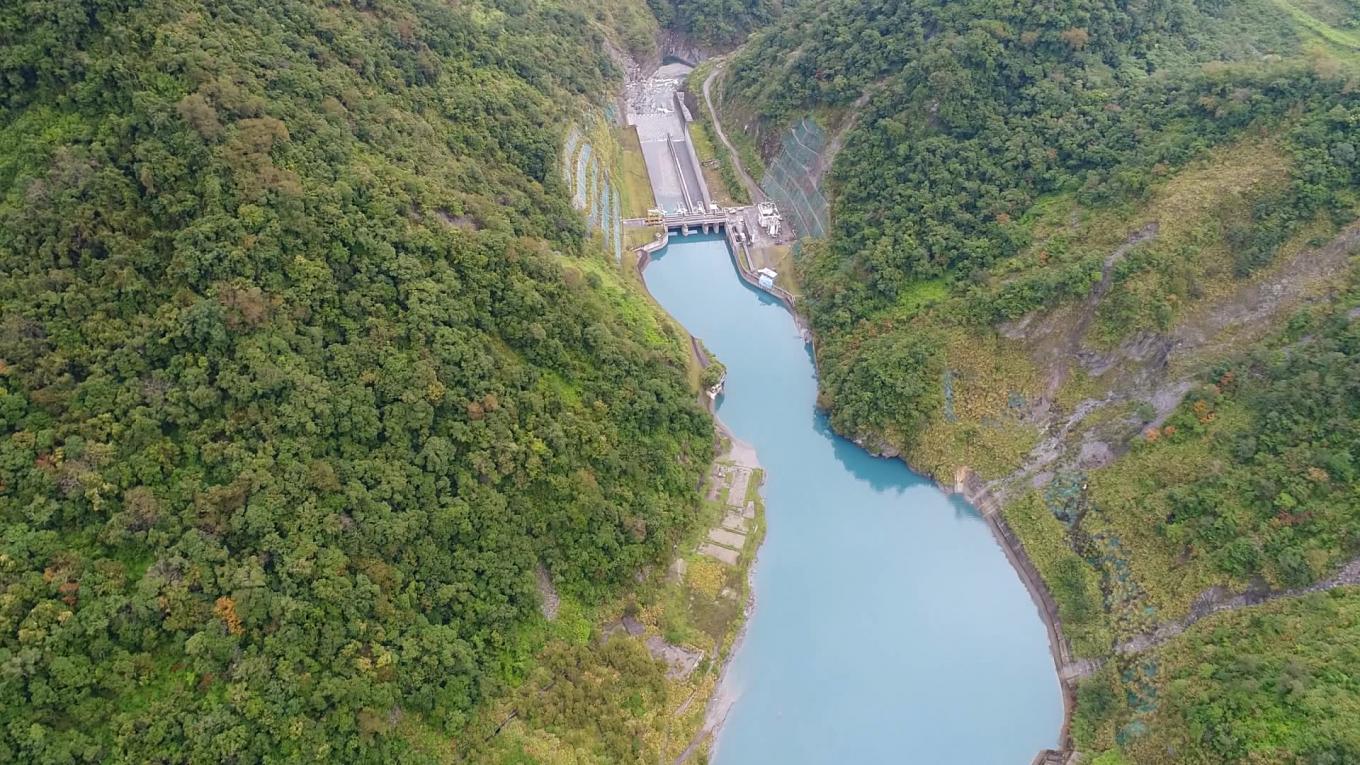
[727, 538]
[719, 553]
[735, 522]
[736, 495]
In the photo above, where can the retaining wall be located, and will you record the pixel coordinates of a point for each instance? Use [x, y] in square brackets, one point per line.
[974, 490]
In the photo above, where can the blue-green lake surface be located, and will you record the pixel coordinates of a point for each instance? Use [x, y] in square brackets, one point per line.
[889, 626]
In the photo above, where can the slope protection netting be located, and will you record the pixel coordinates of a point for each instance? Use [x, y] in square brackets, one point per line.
[609, 224]
[947, 385]
[594, 193]
[789, 179]
[569, 147]
[582, 162]
[618, 230]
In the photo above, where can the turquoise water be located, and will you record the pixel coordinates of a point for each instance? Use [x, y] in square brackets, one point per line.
[889, 626]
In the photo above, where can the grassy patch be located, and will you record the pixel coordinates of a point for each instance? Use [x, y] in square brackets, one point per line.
[1074, 583]
[625, 302]
[715, 164]
[1129, 506]
[1207, 217]
[1078, 387]
[1346, 41]
[636, 236]
[988, 383]
[635, 185]
[991, 449]
[779, 257]
[917, 296]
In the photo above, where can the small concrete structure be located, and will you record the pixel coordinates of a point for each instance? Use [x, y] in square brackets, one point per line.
[767, 277]
[735, 522]
[719, 553]
[727, 538]
[769, 218]
[736, 494]
[682, 107]
[717, 389]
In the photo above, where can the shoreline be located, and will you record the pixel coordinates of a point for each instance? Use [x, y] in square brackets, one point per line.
[976, 494]
[967, 485]
[970, 487]
[722, 700]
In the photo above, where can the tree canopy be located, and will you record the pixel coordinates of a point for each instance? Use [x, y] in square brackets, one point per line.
[305, 367]
[1040, 213]
[720, 23]
[969, 115]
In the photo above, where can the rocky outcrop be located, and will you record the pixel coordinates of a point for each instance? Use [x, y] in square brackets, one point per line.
[676, 45]
[548, 599]
[1218, 599]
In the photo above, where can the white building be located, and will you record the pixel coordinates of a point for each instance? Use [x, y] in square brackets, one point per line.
[766, 277]
[769, 218]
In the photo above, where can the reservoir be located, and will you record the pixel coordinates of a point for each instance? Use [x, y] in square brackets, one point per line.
[889, 626]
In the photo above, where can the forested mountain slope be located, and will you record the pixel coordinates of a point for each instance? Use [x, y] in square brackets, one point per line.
[716, 23]
[306, 364]
[1102, 254]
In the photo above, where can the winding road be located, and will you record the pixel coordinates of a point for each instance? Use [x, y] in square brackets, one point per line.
[752, 188]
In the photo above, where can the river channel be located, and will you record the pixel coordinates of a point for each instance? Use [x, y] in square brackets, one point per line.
[889, 626]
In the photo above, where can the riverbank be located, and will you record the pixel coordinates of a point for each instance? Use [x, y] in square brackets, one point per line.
[967, 485]
[960, 599]
[664, 644]
[720, 702]
[738, 454]
[733, 544]
[972, 490]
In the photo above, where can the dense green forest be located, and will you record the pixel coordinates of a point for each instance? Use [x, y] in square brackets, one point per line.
[981, 109]
[982, 115]
[716, 23]
[1280, 425]
[306, 365]
[1043, 219]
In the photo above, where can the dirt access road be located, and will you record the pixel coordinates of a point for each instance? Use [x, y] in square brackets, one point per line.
[752, 188]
